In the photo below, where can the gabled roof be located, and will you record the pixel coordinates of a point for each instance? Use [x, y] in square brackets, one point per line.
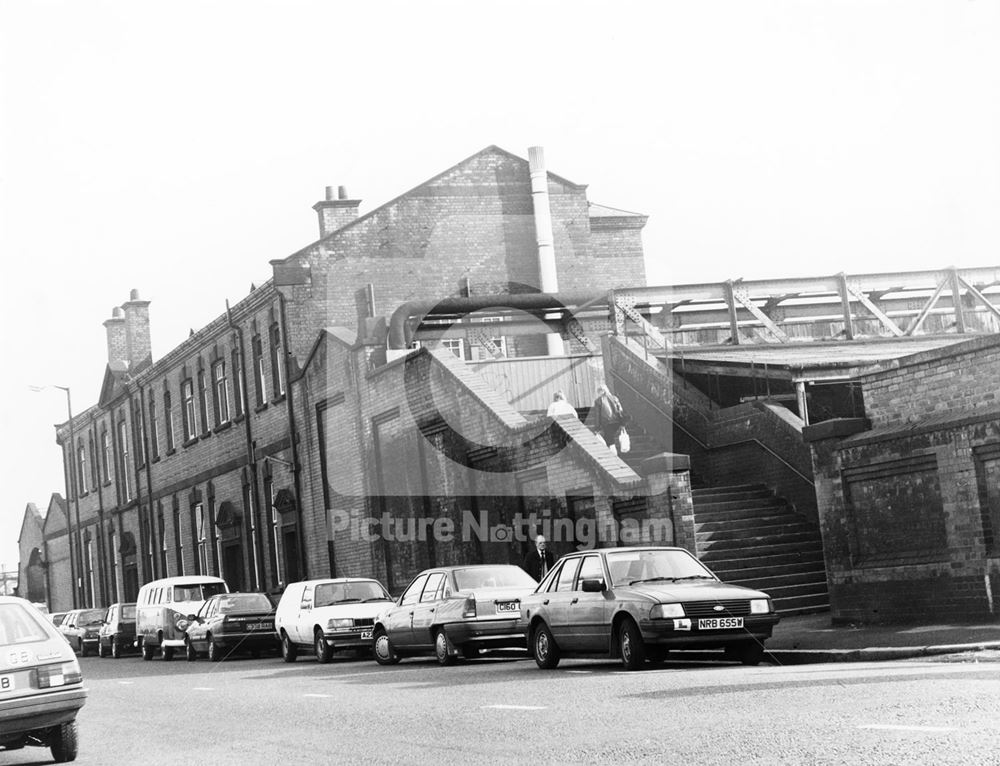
[603, 211]
[115, 374]
[56, 512]
[491, 149]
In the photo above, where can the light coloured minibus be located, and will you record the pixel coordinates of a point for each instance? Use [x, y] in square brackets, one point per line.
[162, 609]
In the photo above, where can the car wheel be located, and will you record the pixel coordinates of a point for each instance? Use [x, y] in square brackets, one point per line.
[288, 650]
[748, 653]
[443, 648]
[63, 743]
[101, 651]
[81, 647]
[166, 652]
[214, 650]
[323, 651]
[189, 651]
[116, 648]
[385, 652]
[630, 645]
[147, 651]
[545, 647]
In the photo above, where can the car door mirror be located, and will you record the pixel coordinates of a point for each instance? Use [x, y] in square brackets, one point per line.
[193, 618]
[307, 606]
[592, 585]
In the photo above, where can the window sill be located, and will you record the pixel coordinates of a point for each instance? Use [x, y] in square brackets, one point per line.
[223, 426]
[205, 434]
[106, 483]
[156, 459]
[171, 451]
[278, 399]
[239, 418]
[189, 442]
[260, 407]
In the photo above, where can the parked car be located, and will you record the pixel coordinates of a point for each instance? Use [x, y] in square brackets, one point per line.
[41, 686]
[329, 616]
[229, 623]
[447, 611]
[81, 628]
[57, 618]
[639, 603]
[117, 633]
[162, 610]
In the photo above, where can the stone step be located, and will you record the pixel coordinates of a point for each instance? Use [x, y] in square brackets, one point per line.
[713, 552]
[737, 570]
[761, 524]
[703, 497]
[814, 602]
[780, 593]
[736, 515]
[701, 508]
[752, 543]
[699, 493]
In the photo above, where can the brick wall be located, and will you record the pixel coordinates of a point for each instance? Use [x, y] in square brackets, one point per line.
[956, 378]
[904, 521]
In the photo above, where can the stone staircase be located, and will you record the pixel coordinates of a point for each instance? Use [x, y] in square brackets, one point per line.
[748, 536]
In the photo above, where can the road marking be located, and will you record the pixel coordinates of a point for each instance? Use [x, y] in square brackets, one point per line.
[126, 683]
[899, 727]
[202, 689]
[317, 695]
[512, 707]
[576, 671]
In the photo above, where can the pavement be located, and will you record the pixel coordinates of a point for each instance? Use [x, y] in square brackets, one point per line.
[809, 638]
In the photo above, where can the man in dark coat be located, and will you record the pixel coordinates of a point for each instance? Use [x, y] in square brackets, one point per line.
[539, 560]
[609, 416]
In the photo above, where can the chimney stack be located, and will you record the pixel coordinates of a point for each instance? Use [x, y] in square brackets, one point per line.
[138, 344]
[117, 345]
[335, 212]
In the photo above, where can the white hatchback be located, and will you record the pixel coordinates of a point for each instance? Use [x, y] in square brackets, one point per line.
[329, 615]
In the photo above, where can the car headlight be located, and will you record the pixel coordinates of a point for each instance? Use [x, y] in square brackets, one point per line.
[340, 623]
[760, 606]
[181, 624]
[661, 611]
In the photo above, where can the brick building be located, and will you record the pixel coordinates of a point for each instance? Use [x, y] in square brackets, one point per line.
[219, 457]
[909, 500]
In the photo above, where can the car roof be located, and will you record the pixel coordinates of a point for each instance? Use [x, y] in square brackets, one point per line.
[631, 549]
[326, 580]
[457, 567]
[182, 580]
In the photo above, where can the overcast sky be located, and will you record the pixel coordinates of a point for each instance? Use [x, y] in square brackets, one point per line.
[178, 147]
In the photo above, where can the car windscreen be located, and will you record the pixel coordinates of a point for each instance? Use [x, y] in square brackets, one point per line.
[474, 578]
[128, 612]
[19, 626]
[629, 567]
[331, 593]
[198, 592]
[243, 603]
[90, 617]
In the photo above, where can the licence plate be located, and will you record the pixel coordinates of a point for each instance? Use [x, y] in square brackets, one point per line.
[6, 684]
[508, 607]
[720, 623]
[259, 626]
[366, 635]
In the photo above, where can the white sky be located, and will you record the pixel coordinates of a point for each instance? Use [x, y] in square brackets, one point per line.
[177, 147]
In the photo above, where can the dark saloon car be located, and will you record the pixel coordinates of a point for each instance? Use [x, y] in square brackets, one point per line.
[80, 629]
[639, 603]
[454, 610]
[41, 686]
[117, 634]
[229, 623]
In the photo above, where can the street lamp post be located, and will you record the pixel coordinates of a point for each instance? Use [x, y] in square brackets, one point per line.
[71, 490]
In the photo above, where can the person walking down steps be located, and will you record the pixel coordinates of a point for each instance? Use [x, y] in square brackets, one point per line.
[560, 407]
[609, 418]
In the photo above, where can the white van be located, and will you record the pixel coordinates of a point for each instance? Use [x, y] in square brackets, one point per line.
[329, 615]
[162, 609]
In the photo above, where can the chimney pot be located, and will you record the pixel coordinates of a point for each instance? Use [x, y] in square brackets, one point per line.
[341, 192]
[329, 192]
[117, 313]
[134, 295]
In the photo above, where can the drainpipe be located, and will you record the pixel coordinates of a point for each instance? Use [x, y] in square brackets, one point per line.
[548, 281]
[153, 520]
[292, 434]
